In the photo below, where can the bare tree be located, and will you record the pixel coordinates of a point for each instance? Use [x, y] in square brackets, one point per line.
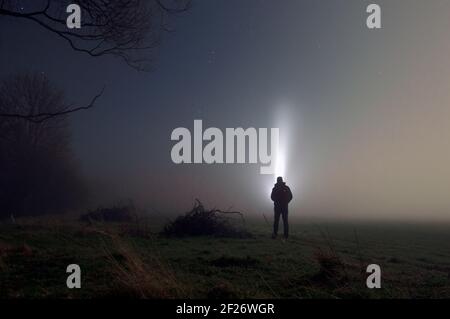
[41, 114]
[127, 29]
[39, 173]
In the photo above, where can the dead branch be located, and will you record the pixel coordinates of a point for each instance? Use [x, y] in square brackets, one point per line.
[41, 117]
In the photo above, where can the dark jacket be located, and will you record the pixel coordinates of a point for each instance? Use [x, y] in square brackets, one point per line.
[281, 195]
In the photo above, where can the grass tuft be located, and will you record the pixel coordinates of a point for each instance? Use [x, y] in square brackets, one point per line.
[136, 278]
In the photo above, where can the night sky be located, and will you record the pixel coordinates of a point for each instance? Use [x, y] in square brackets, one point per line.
[364, 114]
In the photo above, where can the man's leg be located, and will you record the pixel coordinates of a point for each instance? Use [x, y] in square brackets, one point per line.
[285, 223]
[276, 220]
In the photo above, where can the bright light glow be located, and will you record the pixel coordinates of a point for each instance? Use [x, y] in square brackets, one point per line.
[282, 121]
[280, 166]
[280, 156]
[280, 162]
[290, 140]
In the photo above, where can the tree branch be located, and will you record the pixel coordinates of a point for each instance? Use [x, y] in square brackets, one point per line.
[41, 117]
[121, 28]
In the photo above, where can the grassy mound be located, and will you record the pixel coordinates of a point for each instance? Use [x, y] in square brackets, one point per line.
[202, 222]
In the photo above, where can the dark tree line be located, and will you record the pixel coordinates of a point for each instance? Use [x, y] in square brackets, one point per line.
[38, 171]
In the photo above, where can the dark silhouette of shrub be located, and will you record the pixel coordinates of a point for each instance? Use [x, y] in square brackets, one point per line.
[202, 222]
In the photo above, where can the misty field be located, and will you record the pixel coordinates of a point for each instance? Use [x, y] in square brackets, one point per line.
[132, 260]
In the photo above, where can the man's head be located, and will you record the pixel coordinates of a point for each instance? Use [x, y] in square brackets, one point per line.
[279, 179]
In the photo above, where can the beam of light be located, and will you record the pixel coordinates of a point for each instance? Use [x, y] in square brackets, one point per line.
[280, 165]
[287, 117]
[281, 154]
[280, 161]
[283, 122]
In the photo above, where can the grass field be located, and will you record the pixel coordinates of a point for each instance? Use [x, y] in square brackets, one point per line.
[320, 260]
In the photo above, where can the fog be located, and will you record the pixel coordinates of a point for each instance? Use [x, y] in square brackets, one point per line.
[364, 115]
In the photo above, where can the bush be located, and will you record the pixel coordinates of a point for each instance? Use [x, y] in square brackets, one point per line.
[202, 222]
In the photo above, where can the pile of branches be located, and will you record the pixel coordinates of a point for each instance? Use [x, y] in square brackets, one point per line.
[202, 222]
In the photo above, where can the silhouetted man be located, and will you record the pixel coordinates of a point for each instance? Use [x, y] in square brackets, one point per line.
[281, 196]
